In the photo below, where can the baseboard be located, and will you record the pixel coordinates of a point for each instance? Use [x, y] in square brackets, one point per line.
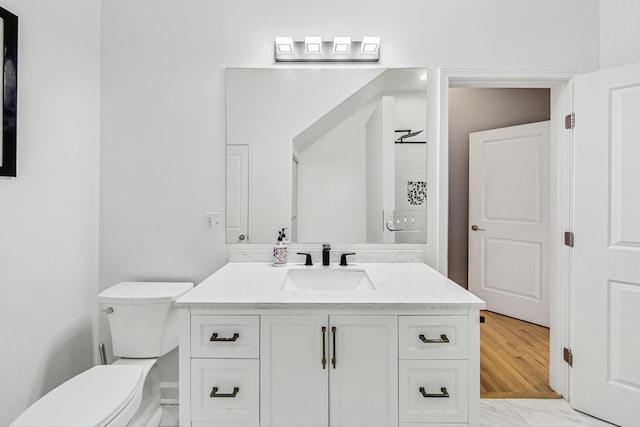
[169, 393]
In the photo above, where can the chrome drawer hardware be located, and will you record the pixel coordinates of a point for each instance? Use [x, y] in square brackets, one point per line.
[443, 390]
[443, 339]
[214, 338]
[214, 392]
[324, 347]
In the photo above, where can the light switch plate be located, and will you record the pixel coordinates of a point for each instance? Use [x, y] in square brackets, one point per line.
[214, 220]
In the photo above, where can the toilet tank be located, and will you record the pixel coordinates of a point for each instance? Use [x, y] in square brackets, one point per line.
[142, 317]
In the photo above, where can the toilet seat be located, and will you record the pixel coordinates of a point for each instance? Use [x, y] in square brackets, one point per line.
[94, 398]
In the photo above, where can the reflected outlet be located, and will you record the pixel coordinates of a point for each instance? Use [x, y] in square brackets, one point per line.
[214, 220]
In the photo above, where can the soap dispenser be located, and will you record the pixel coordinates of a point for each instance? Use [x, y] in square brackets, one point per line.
[280, 250]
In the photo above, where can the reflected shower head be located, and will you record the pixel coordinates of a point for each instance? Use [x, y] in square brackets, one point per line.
[408, 134]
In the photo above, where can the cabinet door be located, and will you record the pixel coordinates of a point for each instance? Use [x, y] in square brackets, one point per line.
[364, 371]
[294, 386]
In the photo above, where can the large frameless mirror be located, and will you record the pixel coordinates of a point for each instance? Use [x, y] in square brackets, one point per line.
[335, 155]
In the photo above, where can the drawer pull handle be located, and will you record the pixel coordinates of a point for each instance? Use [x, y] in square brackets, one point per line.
[214, 338]
[334, 359]
[214, 392]
[443, 339]
[324, 347]
[444, 392]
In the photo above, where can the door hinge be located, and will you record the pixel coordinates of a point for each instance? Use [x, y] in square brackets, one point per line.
[569, 239]
[567, 355]
[570, 121]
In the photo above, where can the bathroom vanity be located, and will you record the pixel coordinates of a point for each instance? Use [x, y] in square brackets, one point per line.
[375, 344]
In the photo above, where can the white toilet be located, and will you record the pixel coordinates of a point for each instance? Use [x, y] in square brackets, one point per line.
[144, 326]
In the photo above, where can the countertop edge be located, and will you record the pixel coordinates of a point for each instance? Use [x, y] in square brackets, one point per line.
[330, 305]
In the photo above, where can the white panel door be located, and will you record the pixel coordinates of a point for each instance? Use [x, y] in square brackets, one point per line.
[294, 380]
[237, 193]
[380, 169]
[364, 371]
[509, 220]
[605, 336]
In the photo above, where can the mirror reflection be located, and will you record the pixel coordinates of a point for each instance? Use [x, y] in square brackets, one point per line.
[333, 155]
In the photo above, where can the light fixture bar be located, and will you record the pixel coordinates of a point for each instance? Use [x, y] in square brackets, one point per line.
[314, 49]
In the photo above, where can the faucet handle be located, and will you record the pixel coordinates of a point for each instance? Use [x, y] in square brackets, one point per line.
[343, 258]
[326, 247]
[308, 260]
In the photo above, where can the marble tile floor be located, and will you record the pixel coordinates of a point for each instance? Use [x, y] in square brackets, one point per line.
[170, 416]
[493, 413]
[533, 413]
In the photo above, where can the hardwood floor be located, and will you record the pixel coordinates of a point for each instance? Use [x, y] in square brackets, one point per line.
[514, 359]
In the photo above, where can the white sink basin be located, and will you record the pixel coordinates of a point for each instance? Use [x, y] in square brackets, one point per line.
[327, 280]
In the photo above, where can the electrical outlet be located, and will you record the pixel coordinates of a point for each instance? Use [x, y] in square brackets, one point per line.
[214, 220]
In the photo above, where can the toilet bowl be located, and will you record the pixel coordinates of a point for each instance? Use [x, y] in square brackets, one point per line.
[144, 327]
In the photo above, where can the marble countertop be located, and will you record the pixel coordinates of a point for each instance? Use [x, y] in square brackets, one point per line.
[398, 285]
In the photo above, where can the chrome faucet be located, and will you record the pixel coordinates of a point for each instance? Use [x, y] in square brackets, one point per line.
[326, 254]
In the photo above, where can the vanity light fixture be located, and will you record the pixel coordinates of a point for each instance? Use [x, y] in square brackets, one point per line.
[314, 49]
[313, 44]
[284, 44]
[341, 44]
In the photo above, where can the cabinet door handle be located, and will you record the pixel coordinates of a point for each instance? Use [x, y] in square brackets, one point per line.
[214, 338]
[333, 359]
[214, 392]
[443, 339]
[324, 347]
[443, 393]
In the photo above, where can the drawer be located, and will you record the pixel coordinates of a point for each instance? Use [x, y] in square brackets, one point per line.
[225, 391]
[433, 391]
[225, 336]
[433, 337]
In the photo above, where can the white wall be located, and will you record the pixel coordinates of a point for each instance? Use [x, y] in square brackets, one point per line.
[473, 110]
[379, 169]
[332, 184]
[49, 213]
[163, 98]
[619, 32]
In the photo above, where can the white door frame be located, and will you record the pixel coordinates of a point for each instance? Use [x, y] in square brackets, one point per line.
[438, 84]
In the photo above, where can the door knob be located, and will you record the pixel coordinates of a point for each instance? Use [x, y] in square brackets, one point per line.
[476, 228]
[241, 237]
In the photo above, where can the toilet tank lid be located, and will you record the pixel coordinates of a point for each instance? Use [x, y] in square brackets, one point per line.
[88, 399]
[144, 292]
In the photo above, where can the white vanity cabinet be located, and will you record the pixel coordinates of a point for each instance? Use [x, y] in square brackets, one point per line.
[319, 370]
[329, 369]
[254, 354]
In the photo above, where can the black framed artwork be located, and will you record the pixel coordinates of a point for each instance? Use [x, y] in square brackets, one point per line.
[8, 140]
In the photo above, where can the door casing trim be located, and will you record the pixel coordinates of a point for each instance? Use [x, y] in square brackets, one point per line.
[561, 169]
